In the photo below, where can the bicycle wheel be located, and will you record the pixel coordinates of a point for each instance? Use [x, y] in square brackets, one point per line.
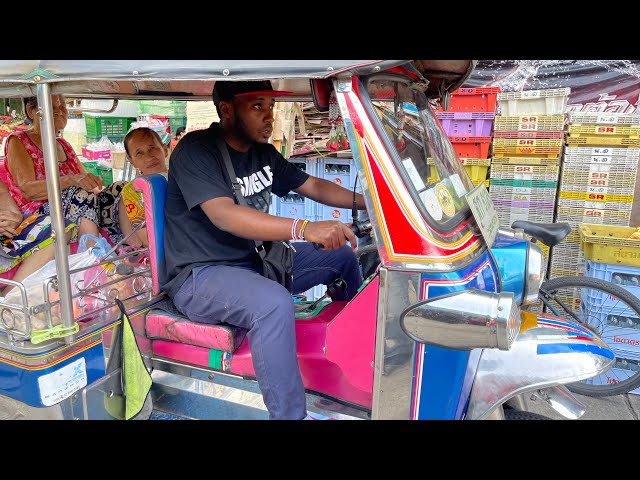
[611, 312]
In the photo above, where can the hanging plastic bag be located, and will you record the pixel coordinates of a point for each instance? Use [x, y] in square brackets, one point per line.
[33, 285]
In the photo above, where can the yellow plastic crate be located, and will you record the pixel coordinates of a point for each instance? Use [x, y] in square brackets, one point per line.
[525, 161]
[529, 123]
[477, 173]
[609, 244]
[606, 130]
[467, 161]
[597, 197]
[603, 141]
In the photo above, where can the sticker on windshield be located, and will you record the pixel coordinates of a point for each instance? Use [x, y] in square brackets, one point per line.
[430, 201]
[413, 174]
[457, 185]
[445, 200]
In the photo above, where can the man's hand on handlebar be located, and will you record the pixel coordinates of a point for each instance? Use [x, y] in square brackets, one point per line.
[330, 234]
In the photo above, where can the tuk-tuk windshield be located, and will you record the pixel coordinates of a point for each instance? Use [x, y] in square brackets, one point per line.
[428, 163]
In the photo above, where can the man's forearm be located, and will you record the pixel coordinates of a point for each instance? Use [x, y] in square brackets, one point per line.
[246, 222]
[329, 193]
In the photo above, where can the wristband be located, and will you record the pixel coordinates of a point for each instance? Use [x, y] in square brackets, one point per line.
[294, 225]
[302, 228]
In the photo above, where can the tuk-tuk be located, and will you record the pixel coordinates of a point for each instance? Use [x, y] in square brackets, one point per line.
[435, 332]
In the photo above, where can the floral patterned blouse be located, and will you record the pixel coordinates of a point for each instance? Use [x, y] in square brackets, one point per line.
[71, 166]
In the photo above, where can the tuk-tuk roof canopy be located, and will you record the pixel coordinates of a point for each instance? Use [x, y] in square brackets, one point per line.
[167, 78]
[190, 79]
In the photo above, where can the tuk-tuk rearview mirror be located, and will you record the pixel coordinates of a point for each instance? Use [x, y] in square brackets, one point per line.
[464, 320]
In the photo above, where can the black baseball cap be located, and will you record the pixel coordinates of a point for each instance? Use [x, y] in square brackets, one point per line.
[224, 91]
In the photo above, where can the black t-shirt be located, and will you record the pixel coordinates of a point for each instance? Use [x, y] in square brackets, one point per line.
[196, 174]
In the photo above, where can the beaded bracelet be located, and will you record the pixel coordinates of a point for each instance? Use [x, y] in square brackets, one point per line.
[294, 226]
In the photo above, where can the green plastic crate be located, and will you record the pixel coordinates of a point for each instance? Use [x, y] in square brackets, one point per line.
[98, 126]
[113, 138]
[91, 167]
[106, 174]
[169, 108]
[177, 122]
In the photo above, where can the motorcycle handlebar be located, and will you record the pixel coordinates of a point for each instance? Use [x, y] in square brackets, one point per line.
[360, 228]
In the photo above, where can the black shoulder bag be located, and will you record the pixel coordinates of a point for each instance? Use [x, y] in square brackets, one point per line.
[276, 256]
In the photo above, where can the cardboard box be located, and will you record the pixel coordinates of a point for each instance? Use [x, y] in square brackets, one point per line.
[118, 159]
[95, 154]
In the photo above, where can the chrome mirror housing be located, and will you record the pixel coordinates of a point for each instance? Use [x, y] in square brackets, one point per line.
[464, 320]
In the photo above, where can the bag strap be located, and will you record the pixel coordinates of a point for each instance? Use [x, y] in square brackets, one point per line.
[237, 191]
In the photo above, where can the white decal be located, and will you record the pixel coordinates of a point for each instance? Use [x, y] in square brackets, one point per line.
[413, 174]
[430, 201]
[64, 382]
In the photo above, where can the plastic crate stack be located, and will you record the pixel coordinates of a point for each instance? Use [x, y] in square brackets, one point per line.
[597, 180]
[612, 256]
[527, 144]
[339, 170]
[468, 123]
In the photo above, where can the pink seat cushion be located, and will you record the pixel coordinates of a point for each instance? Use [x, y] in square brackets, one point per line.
[164, 324]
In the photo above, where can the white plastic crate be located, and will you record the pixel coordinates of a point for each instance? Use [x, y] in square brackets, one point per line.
[573, 215]
[541, 102]
[603, 118]
[586, 204]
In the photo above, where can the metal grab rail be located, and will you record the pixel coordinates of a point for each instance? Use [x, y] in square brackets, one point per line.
[34, 313]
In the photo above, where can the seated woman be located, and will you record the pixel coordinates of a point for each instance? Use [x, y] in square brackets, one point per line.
[147, 154]
[25, 242]
[85, 201]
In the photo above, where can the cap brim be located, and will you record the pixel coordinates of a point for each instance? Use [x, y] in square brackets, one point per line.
[271, 93]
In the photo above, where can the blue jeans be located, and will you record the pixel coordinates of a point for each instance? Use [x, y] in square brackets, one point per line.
[240, 296]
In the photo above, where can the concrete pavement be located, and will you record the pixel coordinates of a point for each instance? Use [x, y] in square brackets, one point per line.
[619, 407]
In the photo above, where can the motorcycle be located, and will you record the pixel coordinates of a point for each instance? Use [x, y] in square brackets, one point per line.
[435, 332]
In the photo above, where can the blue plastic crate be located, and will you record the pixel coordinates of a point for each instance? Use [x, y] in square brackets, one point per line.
[326, 212]
[338, 170]
[622, 275]
[309, 165]
[293, 205]
[627, 363]
[619, 327]
[273, 206]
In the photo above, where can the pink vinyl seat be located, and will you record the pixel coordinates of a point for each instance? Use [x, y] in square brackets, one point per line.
[164, 322]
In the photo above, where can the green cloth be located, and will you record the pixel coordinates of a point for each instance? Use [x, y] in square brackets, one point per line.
[127, 400]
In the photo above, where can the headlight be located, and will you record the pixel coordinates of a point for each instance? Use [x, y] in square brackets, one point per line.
[533, 274]
[464, 320]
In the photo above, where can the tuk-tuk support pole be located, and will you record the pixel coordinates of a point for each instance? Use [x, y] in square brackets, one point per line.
[58, 236]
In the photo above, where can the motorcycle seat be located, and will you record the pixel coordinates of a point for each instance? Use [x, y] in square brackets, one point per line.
[549, 234]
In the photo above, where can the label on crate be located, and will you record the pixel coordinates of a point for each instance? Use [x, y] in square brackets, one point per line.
[601, 167]
[601, 159]
[484, 213]
[595, 189]
[531, 94]
[593, 214]
[600, 151]
[598, 182]
[526, 142]
[522, 191]
[600, 176]
[606, 119]
[523, 176]
[606, 130]
[528, 123]
[518, 197]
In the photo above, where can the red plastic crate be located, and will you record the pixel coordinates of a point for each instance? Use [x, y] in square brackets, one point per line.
[471, 147]
[481, 99]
